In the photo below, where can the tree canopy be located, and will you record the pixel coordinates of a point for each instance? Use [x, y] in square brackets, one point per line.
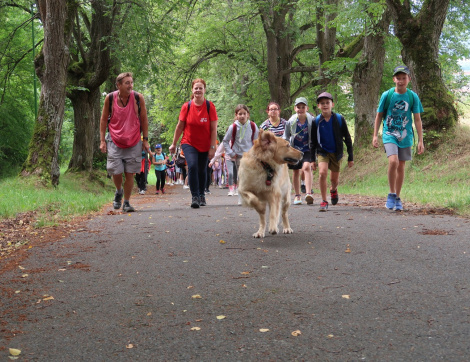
[248, 51]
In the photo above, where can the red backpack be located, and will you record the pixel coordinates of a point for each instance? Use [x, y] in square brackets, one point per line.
[234, 132]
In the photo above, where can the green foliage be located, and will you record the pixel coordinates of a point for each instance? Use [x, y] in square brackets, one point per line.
[16, 89]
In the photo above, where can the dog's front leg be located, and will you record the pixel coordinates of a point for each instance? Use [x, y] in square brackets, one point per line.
[252, 201]
[286, 229]
[274, 213]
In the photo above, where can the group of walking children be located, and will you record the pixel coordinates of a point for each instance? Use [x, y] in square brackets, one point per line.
[320, 138]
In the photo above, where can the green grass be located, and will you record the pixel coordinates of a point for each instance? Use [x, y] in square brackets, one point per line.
[76, 195]
[438, 178]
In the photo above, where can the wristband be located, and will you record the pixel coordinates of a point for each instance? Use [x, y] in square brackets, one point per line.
[145, 138]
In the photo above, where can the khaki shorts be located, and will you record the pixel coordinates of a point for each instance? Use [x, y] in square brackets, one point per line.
[330, 158]
[128, 160]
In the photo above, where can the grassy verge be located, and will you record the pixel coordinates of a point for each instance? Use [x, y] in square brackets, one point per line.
[76, 194]
[438, 178]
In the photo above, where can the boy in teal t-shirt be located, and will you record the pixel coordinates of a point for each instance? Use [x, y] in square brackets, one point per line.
[402, 106]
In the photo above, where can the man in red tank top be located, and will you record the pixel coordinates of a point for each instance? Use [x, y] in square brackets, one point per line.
[123, 143]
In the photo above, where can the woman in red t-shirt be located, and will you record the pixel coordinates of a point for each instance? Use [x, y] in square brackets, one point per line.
[198, 124]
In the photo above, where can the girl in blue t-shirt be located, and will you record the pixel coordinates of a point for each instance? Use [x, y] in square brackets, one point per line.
[160, 167]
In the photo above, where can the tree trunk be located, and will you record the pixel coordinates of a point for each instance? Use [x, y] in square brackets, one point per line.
[51, 68]
[87, 73]
[326, 39]
[86, 109]
[279, 50]
[366, 80]
[419, 36]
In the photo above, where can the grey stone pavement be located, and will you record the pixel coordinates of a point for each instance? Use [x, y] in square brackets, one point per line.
[169, 283]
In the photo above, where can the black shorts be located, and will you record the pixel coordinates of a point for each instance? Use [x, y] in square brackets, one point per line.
[307, 158]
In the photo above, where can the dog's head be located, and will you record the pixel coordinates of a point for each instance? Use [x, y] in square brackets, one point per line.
[268, 147]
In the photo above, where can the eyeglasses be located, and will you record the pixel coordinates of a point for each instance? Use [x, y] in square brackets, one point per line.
[273, 109]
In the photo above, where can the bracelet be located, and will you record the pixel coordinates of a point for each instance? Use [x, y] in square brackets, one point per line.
[145, 138]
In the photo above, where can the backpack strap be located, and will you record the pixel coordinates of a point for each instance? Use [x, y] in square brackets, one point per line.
[387, 101]
[234, 133]
[208, 105]
[339, 118]
[410, 99]
[111, 96]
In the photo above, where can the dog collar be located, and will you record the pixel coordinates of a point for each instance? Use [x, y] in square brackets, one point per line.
[270, 172]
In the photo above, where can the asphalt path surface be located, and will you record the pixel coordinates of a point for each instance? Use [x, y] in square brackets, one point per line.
[171, 283]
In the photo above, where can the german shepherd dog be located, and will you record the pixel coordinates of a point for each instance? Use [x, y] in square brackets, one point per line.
[263, 179]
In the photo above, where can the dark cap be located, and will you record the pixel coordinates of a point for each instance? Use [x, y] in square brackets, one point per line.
[401, 69]
[324, 95]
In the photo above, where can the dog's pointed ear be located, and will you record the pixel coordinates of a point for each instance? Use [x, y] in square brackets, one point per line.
[265, 138]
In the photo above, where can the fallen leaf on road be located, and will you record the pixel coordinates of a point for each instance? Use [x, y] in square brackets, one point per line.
[222, 241]
[348, 250]
[25, 276]
[129, 346]
[263, 330]
[345, 296]
[245, 273]
[195, 329]
[219, 317]
[330, 336]
[14, 351]
[49, 298]
[296, 333]
[196, 296]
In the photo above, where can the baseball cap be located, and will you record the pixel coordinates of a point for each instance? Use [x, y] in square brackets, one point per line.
[401, 69]
[324, 95]
[301, 100]
[158, 146]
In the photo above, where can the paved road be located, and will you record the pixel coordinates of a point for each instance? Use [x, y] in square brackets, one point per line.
[358, 282]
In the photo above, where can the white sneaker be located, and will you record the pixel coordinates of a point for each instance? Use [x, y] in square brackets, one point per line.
[235, 192]
[185, 187]
[231, 191]
[309, 199]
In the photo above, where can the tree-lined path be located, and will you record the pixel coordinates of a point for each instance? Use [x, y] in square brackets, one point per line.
[172, 283]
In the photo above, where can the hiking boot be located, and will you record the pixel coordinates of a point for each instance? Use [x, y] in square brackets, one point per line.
[334, 197]
[127, 207]
[202, 200]
[118, 199]
[324, 206]
[303, 189]
[309, 199]
[398, 204]
[297, 200]
[195, 202]
[391, 200]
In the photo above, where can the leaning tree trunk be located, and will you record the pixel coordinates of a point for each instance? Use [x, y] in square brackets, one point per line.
[51, 67]
[367, 78]
[419, 36]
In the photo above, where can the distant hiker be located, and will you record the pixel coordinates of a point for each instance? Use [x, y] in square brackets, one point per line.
[125, 116]
[198, 124]
[397, 108]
